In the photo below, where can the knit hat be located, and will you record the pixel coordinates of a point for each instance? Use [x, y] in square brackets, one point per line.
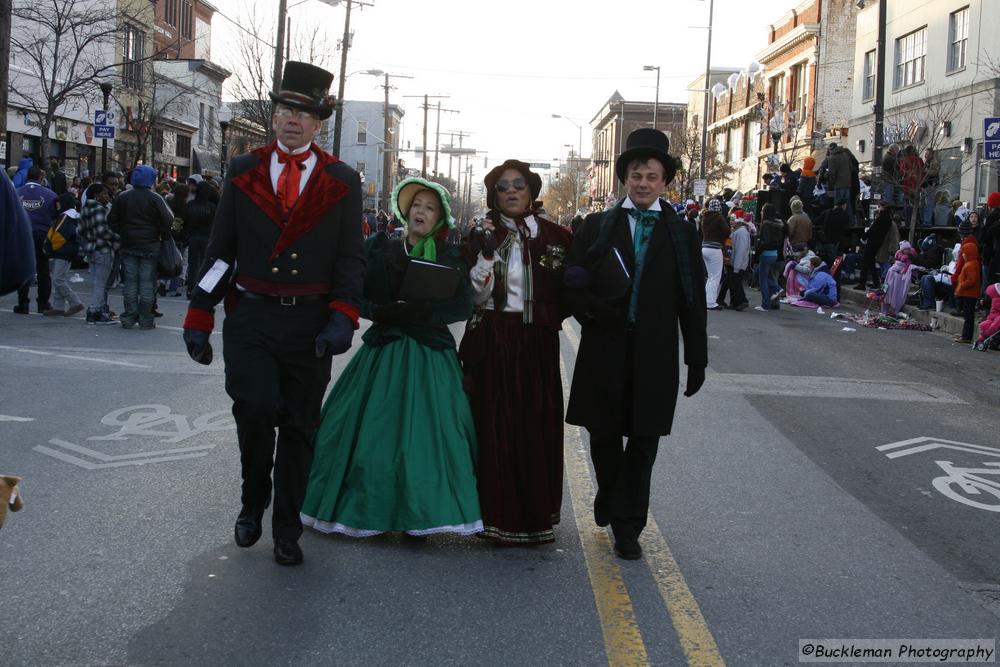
[904, 245]
[143, 176]
[715, 205]
[993, 201]
[964, 228]
[928, 242]
[796, 205]
[808, 166]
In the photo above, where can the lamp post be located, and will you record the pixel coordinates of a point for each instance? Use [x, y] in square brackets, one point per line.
[879, 108]
[387, 154]
[708, 78]
[579, 156]
[106, 89]
[656, 105]
[223, 125]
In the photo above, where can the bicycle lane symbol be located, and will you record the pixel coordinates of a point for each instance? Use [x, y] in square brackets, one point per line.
[142, 421]
[975, 487]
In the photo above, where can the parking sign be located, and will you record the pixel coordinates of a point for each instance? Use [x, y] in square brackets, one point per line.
[991, 138]
[104, 117]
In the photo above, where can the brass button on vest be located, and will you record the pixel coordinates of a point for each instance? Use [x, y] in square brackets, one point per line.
[274, 269]
[295, 256]
[295, 272]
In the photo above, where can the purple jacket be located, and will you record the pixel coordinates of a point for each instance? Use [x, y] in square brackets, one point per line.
[40, 204]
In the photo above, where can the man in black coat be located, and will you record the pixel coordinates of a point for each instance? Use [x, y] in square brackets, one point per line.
[635, 273]
[286, 253]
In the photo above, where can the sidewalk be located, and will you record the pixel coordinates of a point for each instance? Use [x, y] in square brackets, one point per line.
[941, 322]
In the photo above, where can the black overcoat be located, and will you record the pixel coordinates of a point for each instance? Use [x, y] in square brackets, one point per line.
[667, 302]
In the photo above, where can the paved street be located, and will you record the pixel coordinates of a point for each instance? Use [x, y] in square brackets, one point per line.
[776, 516]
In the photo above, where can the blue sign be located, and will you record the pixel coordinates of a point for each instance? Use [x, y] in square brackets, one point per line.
[991, 138]
[104, 117]
[104, 131]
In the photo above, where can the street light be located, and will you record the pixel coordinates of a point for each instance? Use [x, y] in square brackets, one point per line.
[106, 89]
[708, 79]
[580, 133]
[656, 105]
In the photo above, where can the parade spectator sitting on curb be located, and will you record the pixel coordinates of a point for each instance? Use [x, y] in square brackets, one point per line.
[967, 289]
[822, 287]
[897, 280]
[991, 325]
[797, 274]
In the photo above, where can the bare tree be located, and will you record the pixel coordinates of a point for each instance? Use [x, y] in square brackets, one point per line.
[65, 49]
[688, 151]
[559, 197]
[252, 62]
[165, 98]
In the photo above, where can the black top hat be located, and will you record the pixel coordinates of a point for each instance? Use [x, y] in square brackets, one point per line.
[646, 143]
[306, 87]
[533, 180]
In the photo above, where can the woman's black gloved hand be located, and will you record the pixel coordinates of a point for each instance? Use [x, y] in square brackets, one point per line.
[483, 242]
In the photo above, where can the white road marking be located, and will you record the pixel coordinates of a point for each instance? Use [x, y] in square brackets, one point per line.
[975, 487]
[95, 360]
[11, 418]
[828, 387]
[924, 444]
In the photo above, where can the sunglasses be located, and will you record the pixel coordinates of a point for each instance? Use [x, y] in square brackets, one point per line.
[505, 185]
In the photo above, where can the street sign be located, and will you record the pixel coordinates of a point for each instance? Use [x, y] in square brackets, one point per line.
[3, 150]
[104, 131]
[991, 138]
[540, 165]
[700, 187]
[105, 117]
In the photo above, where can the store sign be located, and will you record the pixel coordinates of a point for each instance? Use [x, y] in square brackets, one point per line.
[991, 138]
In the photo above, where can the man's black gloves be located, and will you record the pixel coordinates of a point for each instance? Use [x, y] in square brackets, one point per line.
[696, 378]
[336, 336]
[198, 346]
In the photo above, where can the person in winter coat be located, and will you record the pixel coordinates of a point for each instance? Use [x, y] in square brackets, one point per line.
[990, 238]
[832, 225]
[198, 219]
[897, 279]
[770, 245]
[714, 232]
[822, 288]
[21, 175]
[789, 179]
[40, 204]
[807, 182]
[99, 244]
[65, 244]
[967, 289]
[874, 237]
[142, 219]
[842, 180]
[799, 227]
[991, 324]
[17, 249]
[740, 262]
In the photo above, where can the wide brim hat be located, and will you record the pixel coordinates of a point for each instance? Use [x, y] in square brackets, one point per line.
[306, 87]
[646, 143]
[533, 180]
[407, 189]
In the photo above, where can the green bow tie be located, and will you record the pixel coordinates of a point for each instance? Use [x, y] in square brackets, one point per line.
[644, 218]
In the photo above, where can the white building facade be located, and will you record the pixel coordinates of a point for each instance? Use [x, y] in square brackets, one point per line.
[941, 80]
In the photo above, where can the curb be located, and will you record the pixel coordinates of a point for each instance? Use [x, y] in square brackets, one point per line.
[941, 322]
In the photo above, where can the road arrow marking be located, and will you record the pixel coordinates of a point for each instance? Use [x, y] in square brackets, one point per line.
[120, 460]
[9, 418]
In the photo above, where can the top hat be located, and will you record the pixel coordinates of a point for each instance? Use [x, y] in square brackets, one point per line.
[533, 180]
[646, 143]
[306, 87]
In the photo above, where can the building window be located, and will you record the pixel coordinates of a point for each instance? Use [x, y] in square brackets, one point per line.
[360, 167]
[736, 144]
[958, 38]
[210, 130]
[911, 50]
[133, 49]
[157, 141]
[187, 19]
[362, 131]
[183, 146]
[778, 91]
[868, 80]
[170, 13]
[751, 138]
[800, 94]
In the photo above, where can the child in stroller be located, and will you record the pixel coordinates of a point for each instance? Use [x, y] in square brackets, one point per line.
[989, 329]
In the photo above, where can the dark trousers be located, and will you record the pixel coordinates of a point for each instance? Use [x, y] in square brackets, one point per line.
[42, 273]
[623, 480]
[869, 270]
[968, 306]
[276, 382]
[197, 245]
[735, 281]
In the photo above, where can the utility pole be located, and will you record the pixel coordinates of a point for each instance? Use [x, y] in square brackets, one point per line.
[387, 153]
[426, 107]
[345, 45]
[708, 81]
[879, 109]
[437, 134]
[6, 7]
[279, 46]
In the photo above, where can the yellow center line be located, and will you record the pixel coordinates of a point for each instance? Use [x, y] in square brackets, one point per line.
[622, 640]
[695, 638]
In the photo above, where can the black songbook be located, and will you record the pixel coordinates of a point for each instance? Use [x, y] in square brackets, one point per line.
[427, 281]
[613, 277]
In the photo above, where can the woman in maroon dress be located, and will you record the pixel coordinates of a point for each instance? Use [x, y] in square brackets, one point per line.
[510, 356]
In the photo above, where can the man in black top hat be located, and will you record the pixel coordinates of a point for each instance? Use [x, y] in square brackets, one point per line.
[635, 273]
[286, 253]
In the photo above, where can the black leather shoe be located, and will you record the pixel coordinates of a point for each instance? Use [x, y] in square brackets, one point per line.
[247, 530]
[287, 552]
[628, 549]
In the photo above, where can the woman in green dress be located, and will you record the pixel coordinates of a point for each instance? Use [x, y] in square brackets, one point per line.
[396, 449]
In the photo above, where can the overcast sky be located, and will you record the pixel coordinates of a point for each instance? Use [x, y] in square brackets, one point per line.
[507, 66]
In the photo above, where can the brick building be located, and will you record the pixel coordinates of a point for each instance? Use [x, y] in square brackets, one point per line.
[611, 126]
[795, 93]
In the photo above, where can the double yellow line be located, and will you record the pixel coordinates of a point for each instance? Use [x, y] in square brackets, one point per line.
[623, 641]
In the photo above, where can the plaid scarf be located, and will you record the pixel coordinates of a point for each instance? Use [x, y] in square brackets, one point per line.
[522, 232]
